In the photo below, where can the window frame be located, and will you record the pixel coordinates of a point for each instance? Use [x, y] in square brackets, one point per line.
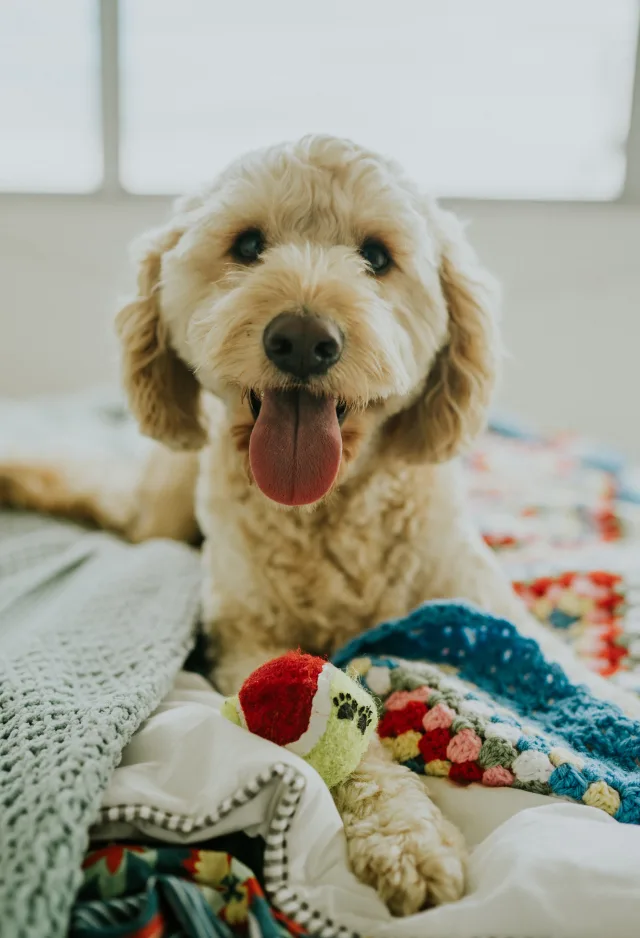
[112, 190]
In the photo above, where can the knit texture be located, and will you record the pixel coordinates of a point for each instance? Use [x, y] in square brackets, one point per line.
[92, 634]
[464, 695]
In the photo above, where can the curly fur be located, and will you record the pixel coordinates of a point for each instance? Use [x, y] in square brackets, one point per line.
[163, 393]
[418, 368]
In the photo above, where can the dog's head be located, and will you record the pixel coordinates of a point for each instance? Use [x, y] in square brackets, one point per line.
[332, 308]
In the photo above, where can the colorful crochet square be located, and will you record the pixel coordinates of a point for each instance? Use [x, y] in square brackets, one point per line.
[531, 492]
[449, 732]
[590, 607]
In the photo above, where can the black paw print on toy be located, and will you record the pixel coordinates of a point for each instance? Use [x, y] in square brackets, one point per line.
[348, 709]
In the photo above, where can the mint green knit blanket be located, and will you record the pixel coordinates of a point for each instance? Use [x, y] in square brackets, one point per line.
[92, 634]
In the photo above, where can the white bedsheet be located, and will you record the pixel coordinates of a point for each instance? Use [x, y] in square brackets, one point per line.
[539, 867]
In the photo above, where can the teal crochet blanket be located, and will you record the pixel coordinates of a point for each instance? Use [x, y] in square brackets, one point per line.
[465, 696]
[92, 634]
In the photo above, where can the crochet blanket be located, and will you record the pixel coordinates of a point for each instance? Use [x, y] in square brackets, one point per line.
[92, 634]
[564, 519]
[465, 696]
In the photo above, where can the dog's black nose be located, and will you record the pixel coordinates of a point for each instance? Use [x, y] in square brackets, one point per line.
[302, 345]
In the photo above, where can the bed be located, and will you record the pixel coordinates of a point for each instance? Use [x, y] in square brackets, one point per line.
[204, 830]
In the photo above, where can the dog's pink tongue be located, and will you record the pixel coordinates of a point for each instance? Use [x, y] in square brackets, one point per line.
[295, 447]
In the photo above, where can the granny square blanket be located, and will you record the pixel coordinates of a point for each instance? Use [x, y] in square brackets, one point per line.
[464, 695]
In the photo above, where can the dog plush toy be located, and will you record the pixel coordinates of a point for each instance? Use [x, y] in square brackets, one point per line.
[311, 708]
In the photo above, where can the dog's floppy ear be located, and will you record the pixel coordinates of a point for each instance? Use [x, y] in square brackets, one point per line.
[453, 406]
[163, 393]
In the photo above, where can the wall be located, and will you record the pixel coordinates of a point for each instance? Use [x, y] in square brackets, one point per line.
[571, 276]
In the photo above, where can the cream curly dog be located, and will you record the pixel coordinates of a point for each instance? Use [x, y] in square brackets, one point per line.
[324, 336]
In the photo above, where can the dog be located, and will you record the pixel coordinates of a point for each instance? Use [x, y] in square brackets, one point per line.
[313, 342]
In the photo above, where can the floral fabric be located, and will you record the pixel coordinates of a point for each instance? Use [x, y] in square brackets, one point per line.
[142, 891]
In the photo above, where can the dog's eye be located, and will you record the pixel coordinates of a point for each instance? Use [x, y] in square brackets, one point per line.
[376, 256]
[248, 246]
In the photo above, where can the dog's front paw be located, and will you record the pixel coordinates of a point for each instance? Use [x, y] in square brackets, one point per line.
[398, 840]
[411, 862]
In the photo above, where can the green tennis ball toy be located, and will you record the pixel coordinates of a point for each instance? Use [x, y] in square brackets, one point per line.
[310, 707]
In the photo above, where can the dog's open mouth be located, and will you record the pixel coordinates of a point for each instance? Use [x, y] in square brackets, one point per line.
[296, 444]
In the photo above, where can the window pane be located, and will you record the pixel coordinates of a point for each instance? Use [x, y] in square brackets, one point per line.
[499, 98]
[50, 137]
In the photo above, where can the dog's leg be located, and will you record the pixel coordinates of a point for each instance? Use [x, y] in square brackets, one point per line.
[398, 840]
[81, 491]
[138, 501]
[165, 497]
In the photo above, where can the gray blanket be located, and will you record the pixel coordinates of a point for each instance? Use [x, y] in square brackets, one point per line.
[92, 633]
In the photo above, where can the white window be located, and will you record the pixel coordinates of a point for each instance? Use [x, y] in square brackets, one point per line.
[478, 98]
[50, 137]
